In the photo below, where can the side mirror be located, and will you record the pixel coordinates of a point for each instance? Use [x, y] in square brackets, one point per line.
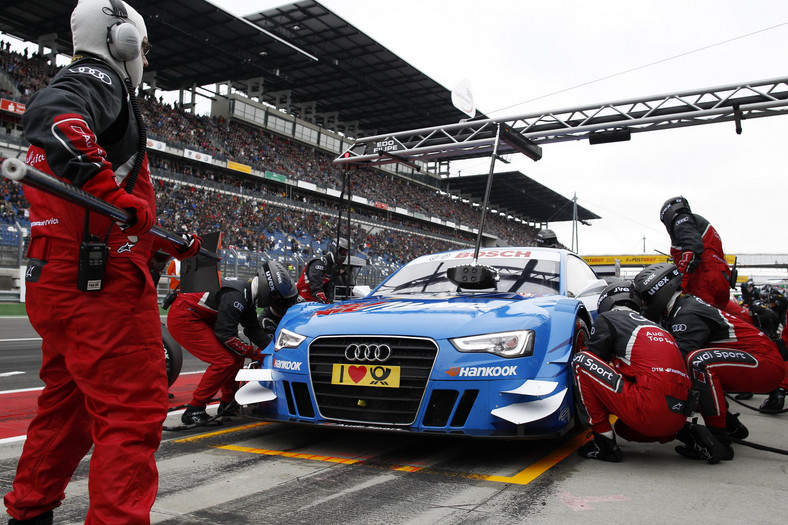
[592, 288]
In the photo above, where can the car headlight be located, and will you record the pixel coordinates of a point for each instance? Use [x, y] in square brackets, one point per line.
[519, 343]
[288, 339]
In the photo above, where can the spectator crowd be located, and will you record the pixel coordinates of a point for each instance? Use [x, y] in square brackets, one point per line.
[253, 212]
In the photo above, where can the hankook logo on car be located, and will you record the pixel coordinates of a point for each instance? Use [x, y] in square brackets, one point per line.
[482, 371]
[295, 366]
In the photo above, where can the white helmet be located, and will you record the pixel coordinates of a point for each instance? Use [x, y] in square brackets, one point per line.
[110, 30]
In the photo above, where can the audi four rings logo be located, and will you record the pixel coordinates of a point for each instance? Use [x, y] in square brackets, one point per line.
[364, 352]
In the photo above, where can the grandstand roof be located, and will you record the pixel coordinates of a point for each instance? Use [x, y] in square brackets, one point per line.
[301, 47]
[515, 194]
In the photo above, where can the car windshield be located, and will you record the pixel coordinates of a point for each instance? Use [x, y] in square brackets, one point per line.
[521, 275]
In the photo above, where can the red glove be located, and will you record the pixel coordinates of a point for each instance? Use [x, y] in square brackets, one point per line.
[239, 347]
[687, 263]
[192, 248]
[322, 297]
[141, 219]
[103, 186]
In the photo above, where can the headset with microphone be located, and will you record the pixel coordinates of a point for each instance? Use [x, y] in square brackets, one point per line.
[123, 38]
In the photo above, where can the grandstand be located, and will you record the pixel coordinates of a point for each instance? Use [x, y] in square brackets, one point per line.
[259, 167]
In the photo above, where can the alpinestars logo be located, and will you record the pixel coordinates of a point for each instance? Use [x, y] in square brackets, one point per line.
[126, 247]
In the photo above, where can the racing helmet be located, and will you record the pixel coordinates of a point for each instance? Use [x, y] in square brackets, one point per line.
[274, 286]
[340, 249]
[547, 238]
[656, 285]
[671, 208]
[619, 293]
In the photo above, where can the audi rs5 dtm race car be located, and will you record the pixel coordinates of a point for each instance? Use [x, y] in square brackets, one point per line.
[447, 344]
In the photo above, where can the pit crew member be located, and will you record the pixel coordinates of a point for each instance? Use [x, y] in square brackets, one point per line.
[105, 384]
[697, 252]
[320, 274]
[722, 352]
[206, 324]
[633, 369]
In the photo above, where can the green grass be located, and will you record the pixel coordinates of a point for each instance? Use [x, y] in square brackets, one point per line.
[12, 309]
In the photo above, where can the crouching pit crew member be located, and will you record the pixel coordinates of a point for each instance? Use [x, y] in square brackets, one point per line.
[206, 324]
[722, 352]
[89, 293]
[633, 369]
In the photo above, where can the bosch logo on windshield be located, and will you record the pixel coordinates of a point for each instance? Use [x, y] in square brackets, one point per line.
[365, 352]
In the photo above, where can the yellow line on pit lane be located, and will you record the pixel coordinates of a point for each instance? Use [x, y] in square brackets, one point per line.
[523, 477]
[220, 432]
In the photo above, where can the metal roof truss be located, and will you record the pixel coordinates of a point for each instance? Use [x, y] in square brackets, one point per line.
[467, 139]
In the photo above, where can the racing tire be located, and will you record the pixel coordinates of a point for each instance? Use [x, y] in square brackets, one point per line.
[579, 342]
[173, 355]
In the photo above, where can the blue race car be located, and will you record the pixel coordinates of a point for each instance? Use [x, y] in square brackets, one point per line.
[448, 344]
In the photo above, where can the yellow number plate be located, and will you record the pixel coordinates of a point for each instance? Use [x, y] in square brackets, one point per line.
[365, 375]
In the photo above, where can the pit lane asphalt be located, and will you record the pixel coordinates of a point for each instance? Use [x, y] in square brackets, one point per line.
[249, 472]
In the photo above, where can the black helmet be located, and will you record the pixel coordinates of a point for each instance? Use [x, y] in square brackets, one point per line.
[655, 285]
[340, 249]
[274, 286]
[547, 238]
[671, 208]
[619, 293]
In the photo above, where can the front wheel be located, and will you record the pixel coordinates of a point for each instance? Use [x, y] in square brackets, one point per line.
[579, 343]
[173, 355]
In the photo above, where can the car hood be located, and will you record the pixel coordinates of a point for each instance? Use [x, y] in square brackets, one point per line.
[421, 315]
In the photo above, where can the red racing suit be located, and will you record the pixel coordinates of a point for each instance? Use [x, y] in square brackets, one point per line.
[316, 279]
[723, 353]
[710, 279]
[103, 365]
[646, 386]
[206, 324]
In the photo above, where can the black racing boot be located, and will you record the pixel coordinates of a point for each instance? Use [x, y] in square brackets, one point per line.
[776, 400]
[743, 396]
[195, 416]
[601, 447]
[229, 408]
[41, 519]
[734, 427]
[700, 443]
[724, 437]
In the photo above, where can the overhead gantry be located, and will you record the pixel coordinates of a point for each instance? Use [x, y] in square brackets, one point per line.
[599, 123]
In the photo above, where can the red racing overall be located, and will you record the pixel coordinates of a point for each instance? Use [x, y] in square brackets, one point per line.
[710, 279]
[646, 386]
[724, 353]
[103, 365]
[206, 324]
[314, 284]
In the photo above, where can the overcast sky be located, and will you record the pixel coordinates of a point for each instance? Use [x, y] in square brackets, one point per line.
[523, 57]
